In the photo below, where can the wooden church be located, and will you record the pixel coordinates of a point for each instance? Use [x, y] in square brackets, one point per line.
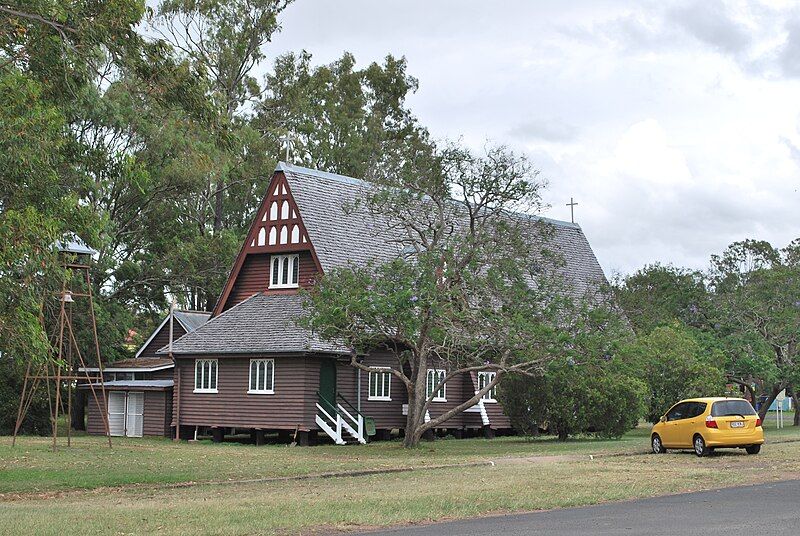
[250, 367]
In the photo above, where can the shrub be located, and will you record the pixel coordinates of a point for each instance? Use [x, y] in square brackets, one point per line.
[574, 399]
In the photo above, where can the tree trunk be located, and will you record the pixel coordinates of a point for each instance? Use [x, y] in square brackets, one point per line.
[773, 394]
[417, 394]
[795, 400]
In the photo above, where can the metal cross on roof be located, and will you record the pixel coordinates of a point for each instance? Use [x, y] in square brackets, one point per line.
[572, 204]
[287, 140]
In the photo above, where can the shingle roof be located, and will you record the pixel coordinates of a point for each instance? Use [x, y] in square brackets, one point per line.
[263, 323]
[191, 320]
[340, 238]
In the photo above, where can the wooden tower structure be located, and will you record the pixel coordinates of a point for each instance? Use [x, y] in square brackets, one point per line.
[59, 370]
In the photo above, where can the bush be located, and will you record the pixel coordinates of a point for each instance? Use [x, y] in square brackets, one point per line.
[675, 367]
[574, 399]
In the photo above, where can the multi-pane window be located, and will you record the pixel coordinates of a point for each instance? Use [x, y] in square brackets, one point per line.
[284, 271]
[484, 379]
[262, 376]
[205, 376]
[434, 377]
[380, 385]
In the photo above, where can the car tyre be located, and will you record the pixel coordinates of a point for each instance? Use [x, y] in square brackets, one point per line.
[658, 446]
[700, 447]
[753, 449]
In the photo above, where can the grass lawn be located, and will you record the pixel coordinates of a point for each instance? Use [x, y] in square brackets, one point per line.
[517, 482]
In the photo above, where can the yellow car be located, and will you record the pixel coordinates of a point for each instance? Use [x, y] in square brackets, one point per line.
[704, 424]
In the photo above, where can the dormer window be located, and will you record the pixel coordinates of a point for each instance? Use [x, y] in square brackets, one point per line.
[284, 271]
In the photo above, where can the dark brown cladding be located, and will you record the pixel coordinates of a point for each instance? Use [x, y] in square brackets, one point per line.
[293, 405]
[156, 418]
[254, 276]
[162, 339]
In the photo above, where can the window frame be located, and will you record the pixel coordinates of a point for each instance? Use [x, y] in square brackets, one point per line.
[250, 390]
[294, 265]
[199, 364]
[491, 395]
[440, 374]
[384, 397]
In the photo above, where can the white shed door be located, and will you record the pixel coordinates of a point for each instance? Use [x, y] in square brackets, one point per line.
[135, 414]
[116, 413]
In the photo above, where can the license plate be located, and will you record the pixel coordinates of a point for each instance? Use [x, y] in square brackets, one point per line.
[737, 424]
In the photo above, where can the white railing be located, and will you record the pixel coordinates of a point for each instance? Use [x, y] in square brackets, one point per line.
[330, 425]
[340, 422]
[353, 425]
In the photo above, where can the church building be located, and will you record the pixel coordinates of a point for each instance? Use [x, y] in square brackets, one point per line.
[251, 368]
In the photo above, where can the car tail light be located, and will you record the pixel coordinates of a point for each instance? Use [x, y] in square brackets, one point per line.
[758, 422]
[710, 422]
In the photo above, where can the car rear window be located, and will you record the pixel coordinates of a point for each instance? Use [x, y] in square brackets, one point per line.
[725, 408]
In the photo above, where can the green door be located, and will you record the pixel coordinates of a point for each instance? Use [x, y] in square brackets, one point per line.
[327, 380]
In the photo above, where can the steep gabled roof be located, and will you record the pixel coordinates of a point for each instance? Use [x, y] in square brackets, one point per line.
[340, 239]
[260, 324]
[266, 323]
[189, 321]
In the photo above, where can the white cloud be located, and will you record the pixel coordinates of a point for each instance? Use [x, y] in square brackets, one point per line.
[674, 125]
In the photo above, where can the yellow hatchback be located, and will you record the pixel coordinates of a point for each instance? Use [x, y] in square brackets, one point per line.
[704, 424]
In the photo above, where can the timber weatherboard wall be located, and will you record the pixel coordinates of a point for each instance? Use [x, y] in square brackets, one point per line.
[156, 412]
[293, 403]
[254, 276]
[161, 340]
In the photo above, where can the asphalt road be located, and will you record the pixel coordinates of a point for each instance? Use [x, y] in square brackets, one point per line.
[761, 509]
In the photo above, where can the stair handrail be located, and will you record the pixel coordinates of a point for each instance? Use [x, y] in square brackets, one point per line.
[358, 421]
[351, 406]
[329, 405]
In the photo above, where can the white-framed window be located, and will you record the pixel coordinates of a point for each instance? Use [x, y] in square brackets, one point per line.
[484, 379]
[262, 377]
[284, 271]
[434, 377]
[380, 385]
[205, 376]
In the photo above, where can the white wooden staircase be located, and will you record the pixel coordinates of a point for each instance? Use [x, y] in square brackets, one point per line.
[342, 422]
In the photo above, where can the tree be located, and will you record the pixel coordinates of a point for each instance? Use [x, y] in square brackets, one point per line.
[674, 366]
[341, 119]
[757, 294]
[658, 295]
[460, 298]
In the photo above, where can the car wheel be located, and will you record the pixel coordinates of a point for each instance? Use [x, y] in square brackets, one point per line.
[753, 449]
[700, 447]
[658, 446]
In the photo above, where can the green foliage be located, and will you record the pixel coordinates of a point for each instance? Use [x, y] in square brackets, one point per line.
[12, 373]
[674, 366]
[659, 295]
[571, 399]
[341, 118]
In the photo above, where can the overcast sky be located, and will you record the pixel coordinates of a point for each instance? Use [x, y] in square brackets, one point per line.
[675, 125]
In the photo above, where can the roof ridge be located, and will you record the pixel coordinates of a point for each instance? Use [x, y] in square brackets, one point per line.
[300, 170]
[210, 320]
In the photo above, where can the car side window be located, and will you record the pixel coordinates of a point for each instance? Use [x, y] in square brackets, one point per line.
[698, 409]
[678, 412]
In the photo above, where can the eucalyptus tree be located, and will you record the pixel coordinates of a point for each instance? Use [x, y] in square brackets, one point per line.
[339, 117]
[475, 289]
[757, 291]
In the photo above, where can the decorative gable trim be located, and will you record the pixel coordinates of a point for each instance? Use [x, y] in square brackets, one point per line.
[277, 228]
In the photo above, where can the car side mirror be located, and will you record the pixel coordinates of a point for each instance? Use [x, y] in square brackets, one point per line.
[663, 418]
